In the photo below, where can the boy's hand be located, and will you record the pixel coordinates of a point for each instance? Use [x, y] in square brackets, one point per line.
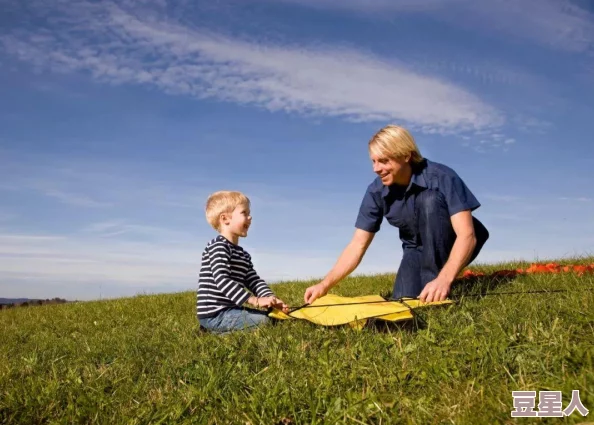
[270, 302]
[280, 305]
[264, 301]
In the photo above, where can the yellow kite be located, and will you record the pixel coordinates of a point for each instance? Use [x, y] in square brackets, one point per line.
[333, 310]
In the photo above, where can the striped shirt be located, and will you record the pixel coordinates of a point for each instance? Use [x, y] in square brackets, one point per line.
[226, 275]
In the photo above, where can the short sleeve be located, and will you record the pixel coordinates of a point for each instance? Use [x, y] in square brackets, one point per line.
[458, 195]
[370, 213]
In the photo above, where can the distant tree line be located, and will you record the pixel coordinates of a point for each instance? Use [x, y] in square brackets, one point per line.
[29, 303]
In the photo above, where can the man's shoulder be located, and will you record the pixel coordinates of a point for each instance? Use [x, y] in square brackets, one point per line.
[376, 186]
[434, 169]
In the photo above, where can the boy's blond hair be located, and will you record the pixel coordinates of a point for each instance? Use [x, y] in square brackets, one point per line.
[394, 141]
[223, 201]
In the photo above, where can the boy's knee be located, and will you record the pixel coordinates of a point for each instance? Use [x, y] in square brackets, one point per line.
[257, 319]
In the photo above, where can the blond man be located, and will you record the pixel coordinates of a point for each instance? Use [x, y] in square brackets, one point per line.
[432, 208]
[227, 278]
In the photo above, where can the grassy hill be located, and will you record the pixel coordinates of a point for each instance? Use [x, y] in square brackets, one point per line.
[143, 360]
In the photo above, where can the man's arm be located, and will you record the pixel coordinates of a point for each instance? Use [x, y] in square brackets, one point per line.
[347, 262]
[439, 288]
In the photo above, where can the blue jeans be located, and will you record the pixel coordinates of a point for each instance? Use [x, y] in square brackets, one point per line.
[238, 318]
[422, 263]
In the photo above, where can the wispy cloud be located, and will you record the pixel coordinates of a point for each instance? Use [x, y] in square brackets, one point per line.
[506, 217]
[488, 71]
[532, 125]
[125, 251]
[79, 181]
[143, 244]
[559, 24]
[6, 216]
[501, 198]
[576, 199]
[66, 191]
[84, 262]
[117, 46]
[116, 228]
[75, 199]
[485, 141]
[376, 6]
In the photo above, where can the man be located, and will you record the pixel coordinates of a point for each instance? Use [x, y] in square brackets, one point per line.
[432, 208]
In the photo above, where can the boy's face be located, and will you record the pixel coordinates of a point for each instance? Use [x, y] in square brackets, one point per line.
[239, 220]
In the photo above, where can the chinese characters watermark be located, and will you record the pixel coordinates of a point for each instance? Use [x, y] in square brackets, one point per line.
[549, 405]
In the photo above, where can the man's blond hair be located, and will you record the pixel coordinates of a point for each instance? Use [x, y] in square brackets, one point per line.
[223, 201]
[394, 141]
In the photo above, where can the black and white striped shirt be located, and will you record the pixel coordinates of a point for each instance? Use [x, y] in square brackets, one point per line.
[225, 276]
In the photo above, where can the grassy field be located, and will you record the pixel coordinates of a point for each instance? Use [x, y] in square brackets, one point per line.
[143, 360]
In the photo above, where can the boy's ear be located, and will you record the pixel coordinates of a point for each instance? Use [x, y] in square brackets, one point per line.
[222, 218]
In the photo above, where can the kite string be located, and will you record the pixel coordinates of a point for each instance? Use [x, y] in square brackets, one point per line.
[534, 268]
[340, 304]
[401, 299]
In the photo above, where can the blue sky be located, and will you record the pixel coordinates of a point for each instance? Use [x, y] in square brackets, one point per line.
[118, 118]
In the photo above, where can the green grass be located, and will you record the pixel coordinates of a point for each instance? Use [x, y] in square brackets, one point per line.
[143, 360]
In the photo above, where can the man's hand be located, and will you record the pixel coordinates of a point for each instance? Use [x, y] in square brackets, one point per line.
[436, 290]
[314, 292]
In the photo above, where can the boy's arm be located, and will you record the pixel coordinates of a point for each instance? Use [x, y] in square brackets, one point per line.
[220, 258]
[256, 284]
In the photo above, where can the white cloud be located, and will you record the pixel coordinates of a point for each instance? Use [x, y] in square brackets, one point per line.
[505, 217]
[74, 199]
[576, 199]
[84, 262]
[501, 198]
[131, 253]
[117, 47]
[126, 251]
[91, 183]
[44, 261]
[116, 228]
[559, 24]
[62, 190]
[376, 5]
[6, 216]
[532, 125]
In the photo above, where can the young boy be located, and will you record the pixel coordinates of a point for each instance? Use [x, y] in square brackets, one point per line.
[227, 272]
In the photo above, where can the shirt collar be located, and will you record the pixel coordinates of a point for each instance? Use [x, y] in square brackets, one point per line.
[417, 178]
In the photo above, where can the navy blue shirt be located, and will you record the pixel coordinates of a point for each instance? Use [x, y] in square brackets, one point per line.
[397, 205]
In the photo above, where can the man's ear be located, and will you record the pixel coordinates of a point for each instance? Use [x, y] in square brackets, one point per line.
[407, 157]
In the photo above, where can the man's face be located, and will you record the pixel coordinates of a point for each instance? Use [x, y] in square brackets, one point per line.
[390, 170]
